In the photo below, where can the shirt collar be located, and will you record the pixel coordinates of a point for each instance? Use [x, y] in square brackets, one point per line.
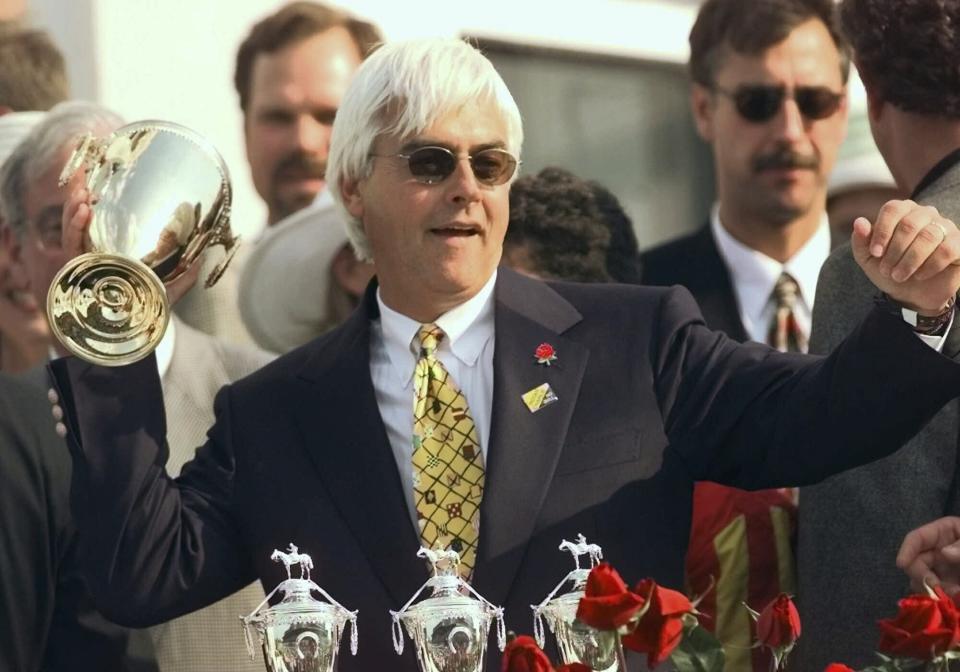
[467, 329]
[754, 274]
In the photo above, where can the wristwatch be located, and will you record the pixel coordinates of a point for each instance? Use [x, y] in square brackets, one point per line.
[929, 325]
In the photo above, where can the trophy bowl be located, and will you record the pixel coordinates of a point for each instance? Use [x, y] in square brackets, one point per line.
[300, 633]
[160, 195]
[599, 650]
[451, 627]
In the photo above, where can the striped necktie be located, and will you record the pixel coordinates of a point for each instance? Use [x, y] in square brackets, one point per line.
[785, 333]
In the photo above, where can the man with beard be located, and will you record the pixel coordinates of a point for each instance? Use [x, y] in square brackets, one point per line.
[768, 94]
[291, 72]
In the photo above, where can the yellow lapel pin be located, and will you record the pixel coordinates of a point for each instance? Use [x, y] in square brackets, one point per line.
[539, 397]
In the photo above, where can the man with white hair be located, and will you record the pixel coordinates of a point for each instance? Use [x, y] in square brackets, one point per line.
[469, 406]
[191, 365]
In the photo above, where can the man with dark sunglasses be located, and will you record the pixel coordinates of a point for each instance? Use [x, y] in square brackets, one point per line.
[466, 405]
[852, 525]
[768, 94]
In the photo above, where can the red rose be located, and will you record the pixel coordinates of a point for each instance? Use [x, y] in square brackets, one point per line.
[575, 667]
[523, 655]
[838, 667]
[544, 351]
[778, 626]
[607, 603]
[924, 627]
[660, 628]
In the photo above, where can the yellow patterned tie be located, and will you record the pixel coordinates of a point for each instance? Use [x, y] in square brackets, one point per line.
[447, 463]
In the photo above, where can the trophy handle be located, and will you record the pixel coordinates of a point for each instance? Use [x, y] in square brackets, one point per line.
[107, 309]
[223, 236]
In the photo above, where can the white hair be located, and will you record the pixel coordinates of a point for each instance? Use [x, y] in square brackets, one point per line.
[402, 89]
[60, 128]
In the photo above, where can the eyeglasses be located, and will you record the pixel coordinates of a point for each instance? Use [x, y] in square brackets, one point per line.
[758, 103]
[432, 165]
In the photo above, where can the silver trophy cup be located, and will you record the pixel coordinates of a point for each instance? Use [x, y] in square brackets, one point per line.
[451, 627]
[578, 642]
[300, 633]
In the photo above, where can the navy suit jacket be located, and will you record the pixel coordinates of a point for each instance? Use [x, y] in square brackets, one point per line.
[650, 400]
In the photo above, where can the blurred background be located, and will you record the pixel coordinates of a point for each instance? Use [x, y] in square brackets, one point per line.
[601, 85]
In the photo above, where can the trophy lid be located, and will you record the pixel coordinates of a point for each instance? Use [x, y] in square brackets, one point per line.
[450, 594]
[564, 606]
[298, 607]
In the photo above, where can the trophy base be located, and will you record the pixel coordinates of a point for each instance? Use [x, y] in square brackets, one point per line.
[107, 309]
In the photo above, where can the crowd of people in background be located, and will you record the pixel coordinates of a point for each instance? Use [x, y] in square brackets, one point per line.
[771, 263]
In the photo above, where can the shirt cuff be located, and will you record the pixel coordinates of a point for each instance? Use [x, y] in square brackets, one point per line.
[935, 342]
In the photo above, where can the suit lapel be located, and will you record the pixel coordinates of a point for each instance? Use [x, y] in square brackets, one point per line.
[710, 284]
[524, 446]
[353, 455]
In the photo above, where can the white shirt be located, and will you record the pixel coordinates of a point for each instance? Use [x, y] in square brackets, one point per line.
[467, 353]
[754, 276]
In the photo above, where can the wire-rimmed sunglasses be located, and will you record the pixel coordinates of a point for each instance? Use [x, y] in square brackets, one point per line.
[758, 103]
[432, 165]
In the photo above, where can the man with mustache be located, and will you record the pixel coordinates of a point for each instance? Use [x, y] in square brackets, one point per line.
[291, 72]
[768, 94]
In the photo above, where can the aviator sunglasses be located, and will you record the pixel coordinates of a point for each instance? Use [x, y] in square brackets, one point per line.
[431, 165]
[758, 103]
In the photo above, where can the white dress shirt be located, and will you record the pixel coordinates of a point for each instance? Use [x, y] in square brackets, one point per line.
[467, 353]
[754, 276]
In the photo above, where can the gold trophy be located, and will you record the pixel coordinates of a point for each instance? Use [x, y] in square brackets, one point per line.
[160, 195]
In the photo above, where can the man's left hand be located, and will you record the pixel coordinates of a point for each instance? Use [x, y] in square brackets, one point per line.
[912, 254]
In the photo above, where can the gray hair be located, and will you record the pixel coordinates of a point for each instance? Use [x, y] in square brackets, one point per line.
[402, 89]
[60, 128]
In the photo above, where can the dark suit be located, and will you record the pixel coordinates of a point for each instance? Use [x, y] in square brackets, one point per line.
[649, 401]
[46, 618]
[694, 261]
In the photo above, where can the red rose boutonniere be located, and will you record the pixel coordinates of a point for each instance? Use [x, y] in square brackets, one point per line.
[545, 354]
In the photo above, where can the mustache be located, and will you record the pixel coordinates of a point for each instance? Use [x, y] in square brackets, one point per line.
[786, 159]
[301, 165]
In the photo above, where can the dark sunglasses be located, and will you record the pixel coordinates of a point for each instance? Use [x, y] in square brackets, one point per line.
[431, 165]
[759, 102]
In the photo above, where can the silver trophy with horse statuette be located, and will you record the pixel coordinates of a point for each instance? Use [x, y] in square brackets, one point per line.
[300, 633]
[450, 628]
[578, 642]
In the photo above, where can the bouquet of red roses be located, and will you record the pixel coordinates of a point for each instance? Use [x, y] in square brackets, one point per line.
[924, 635]
[651, 619]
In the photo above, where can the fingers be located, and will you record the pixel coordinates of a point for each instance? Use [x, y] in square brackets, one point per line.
[177, 288]
[860, 240]
[924, 554]
[912, 239]
[76, 222]
[888, 220]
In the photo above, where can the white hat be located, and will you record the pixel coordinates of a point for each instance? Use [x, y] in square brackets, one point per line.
[859, 162]
[284, 280]
[14, 127]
